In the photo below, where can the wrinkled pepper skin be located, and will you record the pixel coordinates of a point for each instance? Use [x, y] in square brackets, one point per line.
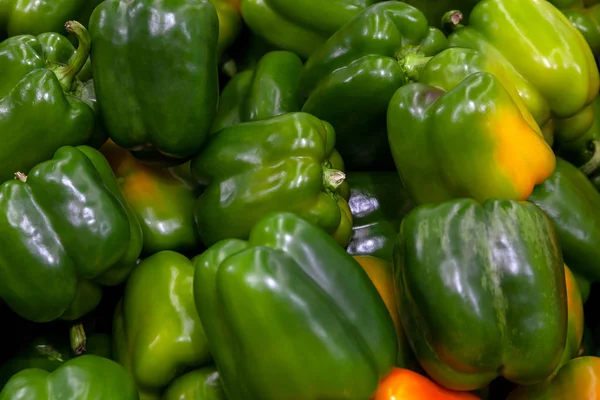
[155, 75]
[444, 148]
[573, 204]
[378, 201]
[268, 90]
[33, 17]
[488, 297]
[579, 379]
[88, 377]
[199, 384]
[283, 22]
[162, 200]
[42, 108]
[65, 229]
[230, 22]
[282, 163]
[559, 84]
[337, 343]
[408, 385]
[585, 16]
[364, 63]
[157, 333]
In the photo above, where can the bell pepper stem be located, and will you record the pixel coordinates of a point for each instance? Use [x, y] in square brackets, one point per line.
[594, 162]
[66, 74]
[413, 65]
[451, 21]
[21, 176]
[78, 339]
[50, 352]
[332, 178]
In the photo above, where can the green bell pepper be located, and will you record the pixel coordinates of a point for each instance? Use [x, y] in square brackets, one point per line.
[157, 334]
[230, 23]
[299, 26]
[162, 199]
[283, 163]
[585, 16]
[350, 80]
[436, 9]
[199, 384]
[488, 296]
[378, 202]
[83, 378]
[65, 229]
[268, 90]
[40, 99]
[472, 141]
[155, 75]
[33, 17]
[314, 311]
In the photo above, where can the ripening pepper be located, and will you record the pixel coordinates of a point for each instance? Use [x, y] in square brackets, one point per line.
[230, 22]
[40, 100]
[33, 17]
[65, 230]
[578, 379]
[473, 140]
[155, 75]
[157, 334]
[162, 200]
[199, 384]
[319, 328]
[378, 201]
[575, 318]
[488, 297]
[299, 26]
[283, 163]
[350, 79]
[88, 377]
[585, 16]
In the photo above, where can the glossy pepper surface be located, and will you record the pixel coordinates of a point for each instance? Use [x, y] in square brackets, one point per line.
[155, 75]
[316, 314]
[444, 148]
[40, 103]
[585, 16]
[84, 378]
[488, 297]
[66, 229]
[282, 163]
[364, 63]
[378, 201]
[199, 384]
[157, 333]
[284, 22]
[162, 200]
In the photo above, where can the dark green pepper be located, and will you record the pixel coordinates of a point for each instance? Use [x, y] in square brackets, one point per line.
[230, 22]
[199, 384]
[350, 79]
[436, 9]
[585, 15]
[314, 311]
[155, 75]
[65, 229]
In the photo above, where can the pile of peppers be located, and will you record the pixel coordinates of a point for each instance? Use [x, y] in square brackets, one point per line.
[300, 200]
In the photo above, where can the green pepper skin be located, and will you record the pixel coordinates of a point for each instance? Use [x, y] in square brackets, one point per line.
[314, 307]
[436, 9]
[283, 163]
[230, 22]
[585, 16]
[87, 377]
[157, 334]
[270, 89]
[488, 297]
[199, 384]
[155, 75]
[46, 114]
[70, 229]
[364, 63]
[378, 202]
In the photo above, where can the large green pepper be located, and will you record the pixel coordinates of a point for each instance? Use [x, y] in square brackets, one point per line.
[283, 163]
[65, 229]
[378, 201]
[33, 17]
[268, 90]
[472, 141]
[314, 311]
[199, 384]
[162, 199]
[157, 333]
[87, 377]
[40, 100]
[155, 75]
[487, 297]
[585, 15]
[350, 79]
[299, 26]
